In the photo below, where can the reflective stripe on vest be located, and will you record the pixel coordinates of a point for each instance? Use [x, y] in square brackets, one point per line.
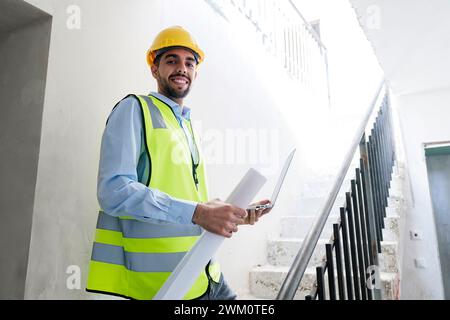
[133, 258]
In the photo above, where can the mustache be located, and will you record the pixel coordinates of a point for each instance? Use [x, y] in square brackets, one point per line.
[180, 75]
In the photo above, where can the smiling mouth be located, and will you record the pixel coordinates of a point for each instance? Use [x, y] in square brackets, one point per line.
[180, 80]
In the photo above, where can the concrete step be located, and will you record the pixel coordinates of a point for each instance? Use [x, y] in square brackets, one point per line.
[388, 259]
[299, 226]
[265, 282]
[391, 229]
[282, 251]
[396, 202]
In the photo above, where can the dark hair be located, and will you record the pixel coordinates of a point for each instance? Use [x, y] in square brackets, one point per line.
[157, 60]
[161, 52]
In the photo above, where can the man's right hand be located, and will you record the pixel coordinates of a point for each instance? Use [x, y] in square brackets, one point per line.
[219, 217]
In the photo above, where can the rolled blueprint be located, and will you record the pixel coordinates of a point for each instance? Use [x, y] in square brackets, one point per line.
[189, 268]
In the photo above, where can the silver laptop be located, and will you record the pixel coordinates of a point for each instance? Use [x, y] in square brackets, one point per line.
[277, 189]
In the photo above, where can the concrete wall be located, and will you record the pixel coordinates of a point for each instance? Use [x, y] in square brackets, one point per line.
[241, 92]
[423, 120]
[23, 68]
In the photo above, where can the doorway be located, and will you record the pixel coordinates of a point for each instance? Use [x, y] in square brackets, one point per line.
[24, 48]
[438, 167]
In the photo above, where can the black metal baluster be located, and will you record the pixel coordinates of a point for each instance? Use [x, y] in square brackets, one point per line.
[364, 229]
[374, 186]
[385, 151]
[384, 161]
[391, 133]
[359, 240]
[320, 283]
[380, 153]
[330, 270]
[376, 172]
[379, 176]
[354, 255]
[390, 138]
[339, 269]
[367, 218]
[348, 272]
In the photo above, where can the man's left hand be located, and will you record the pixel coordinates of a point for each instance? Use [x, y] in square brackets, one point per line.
[254, 215]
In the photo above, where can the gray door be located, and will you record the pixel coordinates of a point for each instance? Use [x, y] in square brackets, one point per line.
[438, 165]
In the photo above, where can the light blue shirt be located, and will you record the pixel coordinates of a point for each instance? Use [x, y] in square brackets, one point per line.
[124, 168]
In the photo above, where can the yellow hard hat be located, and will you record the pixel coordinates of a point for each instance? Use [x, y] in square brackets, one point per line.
[174, 37]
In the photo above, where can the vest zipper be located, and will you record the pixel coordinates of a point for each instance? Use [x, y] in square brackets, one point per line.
[209, 279]
[194, 166]
[194, 174]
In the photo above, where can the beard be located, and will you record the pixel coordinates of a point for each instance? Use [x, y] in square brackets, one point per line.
[172, 92]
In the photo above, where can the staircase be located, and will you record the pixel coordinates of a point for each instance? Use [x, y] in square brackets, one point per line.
[265, 281]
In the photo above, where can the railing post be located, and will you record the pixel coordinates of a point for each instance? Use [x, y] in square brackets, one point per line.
[330, 270]
[352, 242]
[321, 295]
[347, 256]
[372, 169]
[359, 241]
[339, 269]
[370, 210]
[365, 235]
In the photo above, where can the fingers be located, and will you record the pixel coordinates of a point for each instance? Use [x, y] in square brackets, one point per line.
[219, 217]
[264, 201]
[229, 230]
[252, 217]
[237, 220]
[259, 213]
[239, 212]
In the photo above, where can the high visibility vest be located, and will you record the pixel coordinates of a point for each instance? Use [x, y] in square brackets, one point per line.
[133, 259]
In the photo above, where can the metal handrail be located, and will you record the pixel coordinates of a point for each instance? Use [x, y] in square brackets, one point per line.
[308, 26]
[298, 267]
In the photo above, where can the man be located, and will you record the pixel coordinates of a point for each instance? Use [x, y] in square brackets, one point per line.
[152, 185]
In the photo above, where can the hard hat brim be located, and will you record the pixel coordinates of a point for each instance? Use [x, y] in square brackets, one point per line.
[160, 52]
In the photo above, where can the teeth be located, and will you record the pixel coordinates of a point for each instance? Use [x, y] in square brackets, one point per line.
[177, 80]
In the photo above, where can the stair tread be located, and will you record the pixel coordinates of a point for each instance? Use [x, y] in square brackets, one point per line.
[283, 269]
[312, 270]
[296, 239]
[321, 240]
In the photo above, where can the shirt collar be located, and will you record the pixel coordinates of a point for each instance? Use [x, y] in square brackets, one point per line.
[186, 113]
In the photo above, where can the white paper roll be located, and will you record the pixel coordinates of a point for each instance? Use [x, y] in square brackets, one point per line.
[189, 268]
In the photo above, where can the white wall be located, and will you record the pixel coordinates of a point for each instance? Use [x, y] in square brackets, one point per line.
[423, 119]
[239, 88]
